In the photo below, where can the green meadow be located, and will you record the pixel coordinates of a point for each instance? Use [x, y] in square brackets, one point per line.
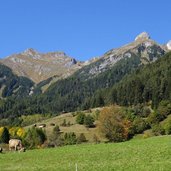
[151, 154]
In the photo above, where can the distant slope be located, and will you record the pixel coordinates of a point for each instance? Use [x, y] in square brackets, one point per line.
[12, 85]
[152, 154]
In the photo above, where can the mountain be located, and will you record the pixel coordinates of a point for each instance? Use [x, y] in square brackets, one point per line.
[144, 48]
[41, 66]
[13, 85]
[50, 67]
[84, 88]
[77, 90]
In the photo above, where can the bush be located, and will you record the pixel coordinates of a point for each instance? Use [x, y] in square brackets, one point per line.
[89, 121]
[139, 125]
[146, 112]
[34, 137]
[154, 118]
[70, 138]
[55, 139]
[80, 118]
[167, 126]
[158, 130]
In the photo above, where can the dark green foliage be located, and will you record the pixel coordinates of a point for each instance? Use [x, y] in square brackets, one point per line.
[163, 110]
[70, 138]
[34, 137]
[89, 121]
[139, 125]
[122, 84]
[13, 85]
[4, 135]
[80, 118]
[157, 129]
[167, 126]
[149, 83]
[55, 138]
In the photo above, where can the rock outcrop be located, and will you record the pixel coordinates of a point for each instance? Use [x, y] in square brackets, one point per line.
[169, 45]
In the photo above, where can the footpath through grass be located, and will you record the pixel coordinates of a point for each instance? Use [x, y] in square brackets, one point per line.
[152, 154]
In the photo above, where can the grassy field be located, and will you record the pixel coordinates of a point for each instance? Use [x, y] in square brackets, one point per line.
[151, 154]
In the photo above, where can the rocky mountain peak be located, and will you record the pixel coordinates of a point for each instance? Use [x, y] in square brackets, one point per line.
[30, 52]
[169, 45]
[142, 36]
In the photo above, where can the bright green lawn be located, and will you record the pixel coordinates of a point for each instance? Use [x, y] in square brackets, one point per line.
[150, 154]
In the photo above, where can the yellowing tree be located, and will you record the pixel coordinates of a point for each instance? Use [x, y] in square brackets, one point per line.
[13, 131]
[113, 124]
[21, 132]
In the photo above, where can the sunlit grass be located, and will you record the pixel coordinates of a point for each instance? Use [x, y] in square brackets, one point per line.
[150, 154]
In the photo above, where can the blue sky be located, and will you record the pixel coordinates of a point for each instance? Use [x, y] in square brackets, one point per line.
[81, 28]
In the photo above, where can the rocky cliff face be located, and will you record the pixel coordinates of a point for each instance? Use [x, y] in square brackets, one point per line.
[143, 47]
[40, 66]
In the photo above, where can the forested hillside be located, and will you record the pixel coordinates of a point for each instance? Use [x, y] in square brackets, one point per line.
[148, 83]
[12, 85]
[71, 93]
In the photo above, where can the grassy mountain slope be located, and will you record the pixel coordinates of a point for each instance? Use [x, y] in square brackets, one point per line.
[41, 66]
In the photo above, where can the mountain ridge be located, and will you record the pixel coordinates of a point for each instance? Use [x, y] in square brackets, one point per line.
[41, 66]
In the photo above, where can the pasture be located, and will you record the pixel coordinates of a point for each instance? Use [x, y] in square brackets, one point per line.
[74, 127]
[151, 154]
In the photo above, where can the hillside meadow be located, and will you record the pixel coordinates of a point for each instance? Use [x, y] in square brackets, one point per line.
[151, 154]
[74, 127]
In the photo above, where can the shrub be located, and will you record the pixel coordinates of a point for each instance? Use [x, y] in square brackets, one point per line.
[154, 118]
[139, 125]
[70, 138]
[34, 137]
[146, 112]
[55, 138]
[89, 121]
[157, 129]
[167, 126]
[80, 118]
